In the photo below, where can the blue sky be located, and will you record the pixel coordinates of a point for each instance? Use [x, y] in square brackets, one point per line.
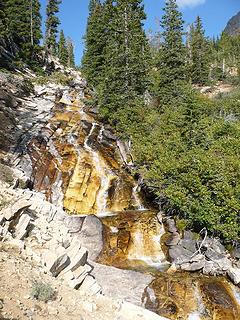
[214, 13]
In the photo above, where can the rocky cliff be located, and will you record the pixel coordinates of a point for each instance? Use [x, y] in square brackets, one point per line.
[233, 25]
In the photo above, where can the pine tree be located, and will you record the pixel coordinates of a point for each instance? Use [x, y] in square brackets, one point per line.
[23, 26]
[125, 55]
[92, 62]
[171, 62]
[70, 51]
[200, 54]
[52, 23]
[62, 49]
[3, 25]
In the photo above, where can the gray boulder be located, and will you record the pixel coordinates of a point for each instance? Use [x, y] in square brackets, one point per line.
[171, 225]
[74, 224]
[60, 264]
[179, 255]
[173, 239]
[189, 244]
[91, 236]
[22, 229]
[234, 275]
[15, 210]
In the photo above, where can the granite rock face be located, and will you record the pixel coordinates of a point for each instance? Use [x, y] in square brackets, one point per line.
[233, 25]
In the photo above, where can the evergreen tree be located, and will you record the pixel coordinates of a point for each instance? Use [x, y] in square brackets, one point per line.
[3, 31]
[62, 49]
[125, 55]
[70, 51]
[35, 22]
[52, 23]
[93, 61]
[200, 54]
[172, 56]
[23, 26]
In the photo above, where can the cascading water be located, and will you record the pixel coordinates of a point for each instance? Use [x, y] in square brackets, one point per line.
[89, 173]
[104, 175]
[137, 200]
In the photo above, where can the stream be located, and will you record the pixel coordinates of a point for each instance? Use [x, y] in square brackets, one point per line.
[83, 170]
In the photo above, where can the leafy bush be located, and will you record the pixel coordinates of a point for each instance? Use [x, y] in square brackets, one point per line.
[42, 291]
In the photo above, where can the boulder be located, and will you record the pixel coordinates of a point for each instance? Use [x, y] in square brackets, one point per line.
[76, 277]
[86, 285]
[188, 235]
[189, 244]
[74, 224]
[236, 252]
[210, 268]
[127, 284]
[179, 255]
[21, 229]
[234, 275]
[173, 239]
[77, 260]
[171, 225]
[109, 135]
[91, 236]
[192, 267]
[60, 264]
[214, 244]
[14, 210]
[219, 259]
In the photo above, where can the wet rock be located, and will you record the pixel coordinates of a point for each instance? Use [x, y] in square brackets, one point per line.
[91, 236]
[109, 135]
[188, 235]
[171, 225]
[194, 266]
[21, 229]
[220, 260]
[214, 245]
[173, 239]
[179, 255]
[189, 244]
[234, 275]
[236, 253]
[60, 264]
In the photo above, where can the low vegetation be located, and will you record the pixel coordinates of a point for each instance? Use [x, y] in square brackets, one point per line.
[55, 77]
[42, 291]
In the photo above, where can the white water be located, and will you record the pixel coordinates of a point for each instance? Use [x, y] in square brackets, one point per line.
[140, 250]
[137, 201]
[105, 177]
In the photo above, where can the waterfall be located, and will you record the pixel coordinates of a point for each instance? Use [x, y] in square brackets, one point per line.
[104, 175]
[137, 200]
[146, 246]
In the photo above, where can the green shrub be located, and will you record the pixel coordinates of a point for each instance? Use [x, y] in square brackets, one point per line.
[55, 77]
[42, 291]
[188, 150]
